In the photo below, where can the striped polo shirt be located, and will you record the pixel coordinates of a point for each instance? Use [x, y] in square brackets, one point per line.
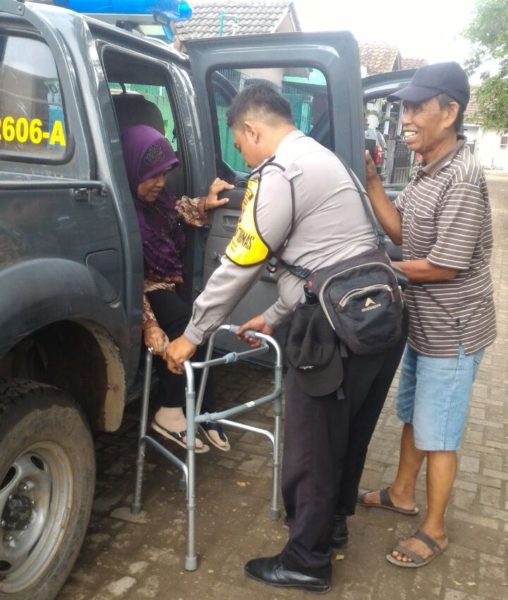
[446, 219]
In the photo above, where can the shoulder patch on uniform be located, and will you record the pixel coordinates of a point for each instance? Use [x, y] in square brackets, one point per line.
[291, 171]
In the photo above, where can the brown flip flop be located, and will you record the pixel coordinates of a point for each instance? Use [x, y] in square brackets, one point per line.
[208, 426]
[416, 559]
[386, 502]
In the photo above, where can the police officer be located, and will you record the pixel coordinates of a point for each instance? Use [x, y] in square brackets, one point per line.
[302, 205]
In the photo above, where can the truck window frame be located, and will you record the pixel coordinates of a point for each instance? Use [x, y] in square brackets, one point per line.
[32, 158]
[218, 84]
[105, 47]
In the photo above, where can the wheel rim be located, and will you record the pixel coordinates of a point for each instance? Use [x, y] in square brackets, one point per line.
[35, 499]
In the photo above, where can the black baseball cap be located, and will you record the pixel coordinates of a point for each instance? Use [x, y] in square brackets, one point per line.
[440, 78]
[312, 350]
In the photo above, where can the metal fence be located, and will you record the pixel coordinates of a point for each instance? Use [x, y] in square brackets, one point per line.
[301, 108]
[402, 163]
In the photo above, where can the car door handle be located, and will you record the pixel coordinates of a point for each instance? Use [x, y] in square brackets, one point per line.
[230, 222]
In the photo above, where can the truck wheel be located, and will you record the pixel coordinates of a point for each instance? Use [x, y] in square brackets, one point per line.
[47, 479]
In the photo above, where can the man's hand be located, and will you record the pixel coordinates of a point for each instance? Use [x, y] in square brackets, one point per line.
[370, 167]
[255, 324]
[177, 353]
[386, 213]
[155, 339]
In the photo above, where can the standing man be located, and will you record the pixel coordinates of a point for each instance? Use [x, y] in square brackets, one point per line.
[443, 220]
[302, 204]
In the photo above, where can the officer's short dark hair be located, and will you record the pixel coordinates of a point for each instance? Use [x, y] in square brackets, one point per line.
[262, 100]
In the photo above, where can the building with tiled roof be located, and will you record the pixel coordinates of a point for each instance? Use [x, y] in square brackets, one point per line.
[470, 114]
[238, 17]
[490, 146]
[413, 63]
[246, 17]
[379, 58]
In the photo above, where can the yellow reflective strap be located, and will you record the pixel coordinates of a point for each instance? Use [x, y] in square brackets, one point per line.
[246, 247]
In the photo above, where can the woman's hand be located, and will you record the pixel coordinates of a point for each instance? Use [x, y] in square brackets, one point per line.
[212, 201]
[156, 339]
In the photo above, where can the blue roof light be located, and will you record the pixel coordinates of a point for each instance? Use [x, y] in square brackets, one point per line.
[171, 10]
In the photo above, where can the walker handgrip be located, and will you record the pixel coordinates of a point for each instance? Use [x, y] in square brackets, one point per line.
[234, 329]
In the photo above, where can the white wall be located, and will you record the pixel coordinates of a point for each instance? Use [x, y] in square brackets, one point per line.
[488, 149]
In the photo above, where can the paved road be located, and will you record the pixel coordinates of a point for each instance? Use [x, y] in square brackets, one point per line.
[122, 558]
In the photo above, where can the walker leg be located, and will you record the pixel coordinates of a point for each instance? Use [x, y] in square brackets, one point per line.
[274, 508]
[140, 463]
[140, 460]
[191, 561]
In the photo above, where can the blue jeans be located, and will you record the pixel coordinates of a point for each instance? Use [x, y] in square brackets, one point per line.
[434, 395]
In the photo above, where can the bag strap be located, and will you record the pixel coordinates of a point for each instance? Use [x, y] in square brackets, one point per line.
[367, 206]
[271, 267]
[303, 272]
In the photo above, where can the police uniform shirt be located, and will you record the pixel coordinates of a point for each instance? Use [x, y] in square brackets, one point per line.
[329, 225]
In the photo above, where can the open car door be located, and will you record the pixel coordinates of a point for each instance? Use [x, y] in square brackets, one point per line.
[384, 123]
[318, 73]
[383, 135]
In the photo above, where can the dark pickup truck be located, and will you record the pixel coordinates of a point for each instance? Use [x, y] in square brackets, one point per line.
[71, 267]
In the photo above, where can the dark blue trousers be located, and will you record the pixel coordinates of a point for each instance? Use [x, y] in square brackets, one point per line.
[325, 446]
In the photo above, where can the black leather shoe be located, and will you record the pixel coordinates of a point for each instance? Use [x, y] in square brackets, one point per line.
[272, 572]
[340, 533]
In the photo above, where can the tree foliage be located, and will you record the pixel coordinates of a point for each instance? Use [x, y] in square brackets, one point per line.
[488, 33]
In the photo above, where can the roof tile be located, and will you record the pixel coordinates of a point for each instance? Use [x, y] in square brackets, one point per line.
[247, 17]
[379, 57]
[413, 63]
[471, 112]
[233, 17]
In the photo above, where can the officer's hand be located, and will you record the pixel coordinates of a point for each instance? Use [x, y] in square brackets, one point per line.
[255, 324]
[370, 167]
[155, 339]
[212, 201]
[177, 353]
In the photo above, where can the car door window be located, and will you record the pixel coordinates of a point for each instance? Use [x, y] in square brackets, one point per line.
[141, 96]
[32, 115]
[304, 88]
[384, 139]
[156, 95]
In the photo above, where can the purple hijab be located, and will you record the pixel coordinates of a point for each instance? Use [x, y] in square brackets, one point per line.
[148, 153]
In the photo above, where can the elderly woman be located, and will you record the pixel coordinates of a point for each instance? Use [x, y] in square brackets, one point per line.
[149, 157]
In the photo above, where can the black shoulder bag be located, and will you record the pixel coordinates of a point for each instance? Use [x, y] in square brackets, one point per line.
[360, 296]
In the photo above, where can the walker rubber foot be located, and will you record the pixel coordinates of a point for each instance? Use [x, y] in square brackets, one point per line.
[275, 515]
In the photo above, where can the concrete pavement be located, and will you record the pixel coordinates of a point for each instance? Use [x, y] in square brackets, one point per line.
[136, 558]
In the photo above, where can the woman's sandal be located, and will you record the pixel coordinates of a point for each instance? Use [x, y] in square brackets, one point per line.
[208, 426]
[178, 437]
